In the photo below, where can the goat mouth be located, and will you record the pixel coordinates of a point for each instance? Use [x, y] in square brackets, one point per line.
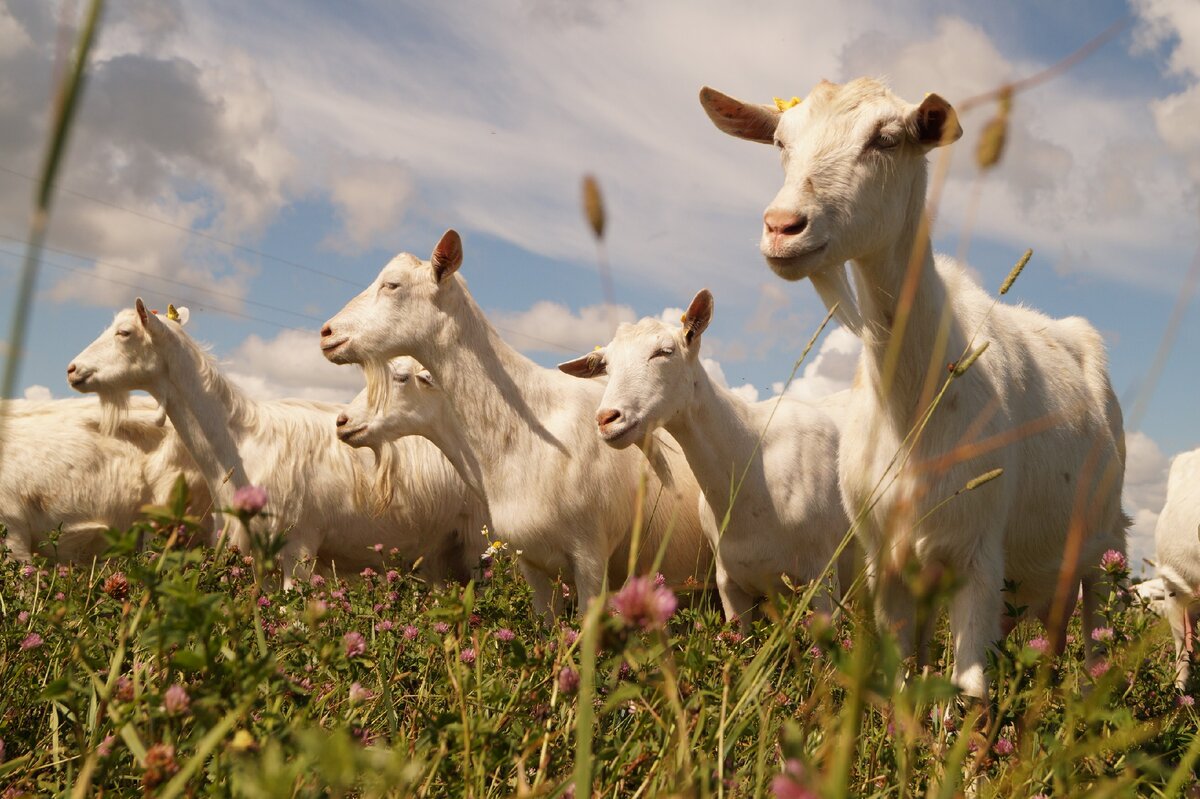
[348, 434]
[332, 344]
[618, 436]
[796, 265]
[77, 380]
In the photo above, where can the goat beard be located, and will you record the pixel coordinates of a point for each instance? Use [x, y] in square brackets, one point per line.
[114, 409]
[385, 486]
[379, 384]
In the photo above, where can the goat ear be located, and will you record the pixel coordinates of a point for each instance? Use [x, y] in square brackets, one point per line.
[748, 121]
[698, 315]
[447, 255]
[142, 313]
[425, 377]
[590, 365]
[934, 122]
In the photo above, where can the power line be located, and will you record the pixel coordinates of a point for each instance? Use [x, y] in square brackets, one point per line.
[183, 228]
[153, 276]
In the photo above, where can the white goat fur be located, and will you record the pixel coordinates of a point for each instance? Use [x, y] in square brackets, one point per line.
[60, 469]
[1038, 403]
[416, 406]
[781, 497]
[317, 487]
[1177, 545]
[554, 490]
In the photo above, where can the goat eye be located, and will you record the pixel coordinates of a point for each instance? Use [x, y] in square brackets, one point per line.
[662, 353]
[401, 379]
[885, 140]
[391, 286]
[123, 333]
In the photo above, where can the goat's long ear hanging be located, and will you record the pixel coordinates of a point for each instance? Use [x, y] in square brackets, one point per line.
[447, 255]
[698, 315]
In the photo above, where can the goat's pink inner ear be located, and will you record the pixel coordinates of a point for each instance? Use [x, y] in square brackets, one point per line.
[743, 120]
[448, 254]
[698, 315]
[936, 122]
[142, 313]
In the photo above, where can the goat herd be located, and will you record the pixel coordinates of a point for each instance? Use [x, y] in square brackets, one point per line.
[473, 433]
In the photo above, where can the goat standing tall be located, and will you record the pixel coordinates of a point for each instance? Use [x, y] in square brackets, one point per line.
[1037, 404]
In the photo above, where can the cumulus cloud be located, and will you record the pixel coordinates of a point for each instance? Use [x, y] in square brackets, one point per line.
[746, 391]
[832, 369]
[38, 393]
[553, 327]
[193, 144]
[1146, 468]
[1175, 24]
[371, 197]
[290, 365]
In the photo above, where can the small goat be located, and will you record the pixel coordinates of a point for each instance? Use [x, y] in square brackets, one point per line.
[1177, 549]
[768, 470]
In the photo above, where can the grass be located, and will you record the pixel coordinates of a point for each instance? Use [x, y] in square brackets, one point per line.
[175, 670]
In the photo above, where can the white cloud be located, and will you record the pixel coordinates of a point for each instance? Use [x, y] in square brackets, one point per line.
[553, 327]
[746, 391]
[830, 371]
[371, 197]
[38, 393]
[290, 365]
[1146, 470]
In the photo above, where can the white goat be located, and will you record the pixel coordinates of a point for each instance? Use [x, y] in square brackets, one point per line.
[416, 407]
[553, 489]
[1177, 545]
[1037, 404]
[769, 468]
[317, 486]
[60, 470]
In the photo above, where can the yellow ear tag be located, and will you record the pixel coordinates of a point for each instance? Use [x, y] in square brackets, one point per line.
[172, 314]
[683, 318]
[784, 105]
[597, 347]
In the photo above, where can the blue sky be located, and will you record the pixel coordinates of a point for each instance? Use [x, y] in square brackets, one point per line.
[334, 137]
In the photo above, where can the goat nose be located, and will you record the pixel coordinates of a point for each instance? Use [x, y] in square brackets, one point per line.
[607, 416]
[784, 223]
[326, 331]
[342, 419]
[71, 369]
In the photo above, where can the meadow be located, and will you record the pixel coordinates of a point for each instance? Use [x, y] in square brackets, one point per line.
[175, 670]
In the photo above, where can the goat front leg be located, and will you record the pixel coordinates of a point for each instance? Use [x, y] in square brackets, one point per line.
[1177, 614]
[975, 621]
[543, 591]
[738, 604]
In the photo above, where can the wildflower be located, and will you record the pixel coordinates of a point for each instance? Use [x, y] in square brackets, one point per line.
[104, 748]
[316, 581]
[31, 641]
[441, 628]
[504, 634]
[394, 551]
[1102, 634]
[176, 700]
[409, 632]
[1098, 669]
[384, 626]
[59, 596]
[814, 652]
[392, 575]
[474, 620]
[64, 571]
[358, 694]
[367, 574]
[1, 750]
[1039, 644]
[730, 637]
[27, 570]
[660, 580]
[249, 500]
[1004, 747]
[124, 689]
[235, 571]
[570, 636]
[644, 605]
[355, 644]
[494, 549]
[467, 656]
[160, 766]
[790, 783]
[1113, 561]
[568, 680]
[264, 601]
[378, 548]
[1186, 701]
[23, 616]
